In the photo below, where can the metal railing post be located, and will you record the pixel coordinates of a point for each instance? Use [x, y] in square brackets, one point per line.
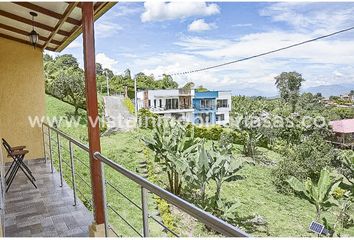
[145, 211]
[44, 151]
[72, 170]
[60, 163]
[106, 227]
[50, 150]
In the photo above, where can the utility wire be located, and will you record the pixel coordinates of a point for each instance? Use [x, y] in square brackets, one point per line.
[262, 54]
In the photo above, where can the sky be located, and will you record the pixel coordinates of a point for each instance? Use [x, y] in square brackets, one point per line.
[166, 37]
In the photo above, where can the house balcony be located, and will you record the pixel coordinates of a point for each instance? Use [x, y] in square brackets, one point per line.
[199, 108]
[165, 110]
[48, 211]
[62, 205]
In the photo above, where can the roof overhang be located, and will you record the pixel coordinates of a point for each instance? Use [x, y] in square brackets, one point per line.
[57, 23]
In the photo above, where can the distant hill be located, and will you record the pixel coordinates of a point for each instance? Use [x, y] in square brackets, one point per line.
[325, 90]
[331, 90]
[252, 92]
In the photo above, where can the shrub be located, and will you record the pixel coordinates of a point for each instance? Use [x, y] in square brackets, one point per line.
[147, 119]
[129, 105]
[209, 133]
[303, 161]
[215, 132]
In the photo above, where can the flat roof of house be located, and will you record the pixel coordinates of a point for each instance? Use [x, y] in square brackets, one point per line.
[57, 23]
[343, 126]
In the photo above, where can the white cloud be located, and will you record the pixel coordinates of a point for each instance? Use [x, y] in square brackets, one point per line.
[77, 43]
[242, 25]
[105, 29]
[197, 43]
[106, 61]
[160, 11]
[337, 73]
[126, 10]
[200, 25]
[319, 62]
[318, 17]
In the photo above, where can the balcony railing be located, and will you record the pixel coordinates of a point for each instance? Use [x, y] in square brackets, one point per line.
[204, 108]
[54, 149]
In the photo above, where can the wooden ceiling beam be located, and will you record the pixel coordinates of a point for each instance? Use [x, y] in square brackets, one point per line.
[19, 31]
[29, 22]
[66, 14]
[47, 12]
[98, 6]
[18, 40]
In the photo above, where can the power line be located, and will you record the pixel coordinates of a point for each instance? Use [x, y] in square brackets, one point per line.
[262, 54]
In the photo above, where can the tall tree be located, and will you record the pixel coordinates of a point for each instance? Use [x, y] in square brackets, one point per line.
[167, 82]
[67, 61]
[69, 86]
[289, 84]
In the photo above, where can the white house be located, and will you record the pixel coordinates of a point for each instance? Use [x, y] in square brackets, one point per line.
[223, 107]
[176, 103]
[184, 104]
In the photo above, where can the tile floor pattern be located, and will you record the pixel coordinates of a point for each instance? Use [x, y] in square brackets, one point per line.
[44, 212]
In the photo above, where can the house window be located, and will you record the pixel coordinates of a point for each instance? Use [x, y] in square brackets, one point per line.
[205, 117]
[220, 117]
[160, 103]
[206, 103]
[149, 103]
[222, 103]
[154, 103]
[171, 104]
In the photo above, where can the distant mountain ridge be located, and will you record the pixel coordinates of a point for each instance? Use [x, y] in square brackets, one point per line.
[331, 90]
[325, 90]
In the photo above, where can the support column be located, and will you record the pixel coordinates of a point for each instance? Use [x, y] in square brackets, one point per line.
[92, 110]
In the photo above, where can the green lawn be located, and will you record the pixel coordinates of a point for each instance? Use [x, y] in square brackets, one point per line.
[286, 215]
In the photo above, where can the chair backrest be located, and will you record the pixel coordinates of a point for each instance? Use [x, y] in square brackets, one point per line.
[7, 146]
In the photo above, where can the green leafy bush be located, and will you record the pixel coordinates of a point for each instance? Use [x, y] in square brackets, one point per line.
[129, 105]
[209, 133]
[305, 160]
[147, 119]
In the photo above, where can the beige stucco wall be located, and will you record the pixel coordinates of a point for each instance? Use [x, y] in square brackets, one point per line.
[22, 95]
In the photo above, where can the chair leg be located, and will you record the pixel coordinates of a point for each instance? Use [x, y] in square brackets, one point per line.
[12, 177]
[8, 170]
[18, 165]
[28, 170]
[28, 176]
[15, 166]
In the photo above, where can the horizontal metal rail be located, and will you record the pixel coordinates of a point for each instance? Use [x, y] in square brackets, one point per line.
[128, 223]
[123, 195]
[138, 207]
[163, 225]
[208, 219]
[64, 135]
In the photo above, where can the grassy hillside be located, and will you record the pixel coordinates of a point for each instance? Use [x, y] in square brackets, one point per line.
[286, 215]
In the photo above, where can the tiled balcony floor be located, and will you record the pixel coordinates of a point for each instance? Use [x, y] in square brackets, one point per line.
[44, 212]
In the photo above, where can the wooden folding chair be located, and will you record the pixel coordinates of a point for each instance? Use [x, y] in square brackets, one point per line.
[17, 154]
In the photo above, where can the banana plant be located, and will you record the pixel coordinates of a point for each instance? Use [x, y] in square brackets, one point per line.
[318, 194]
[173, 151]
[347, 160]
[201, 168]
[224, 168]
